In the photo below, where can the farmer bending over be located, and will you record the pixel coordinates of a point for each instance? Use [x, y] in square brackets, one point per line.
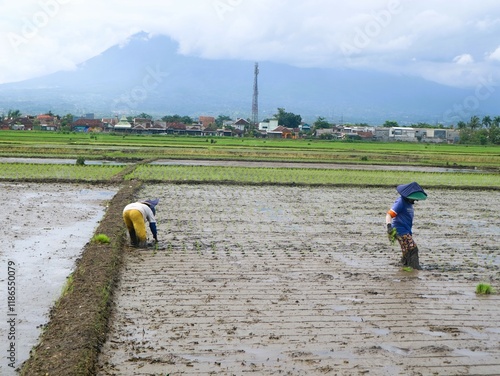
[135, 216]
[399, 222]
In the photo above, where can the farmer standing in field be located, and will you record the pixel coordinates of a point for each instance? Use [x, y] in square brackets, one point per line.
[399, 222]
[135, 216]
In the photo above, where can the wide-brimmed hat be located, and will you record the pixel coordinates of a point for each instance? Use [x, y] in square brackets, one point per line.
[152, 204]
[412, 191]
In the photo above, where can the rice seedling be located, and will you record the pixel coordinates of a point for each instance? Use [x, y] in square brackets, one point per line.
[484, 289]
[393, 236]
[197, 246]
[101, 238]
[24, 171]
[304, 176]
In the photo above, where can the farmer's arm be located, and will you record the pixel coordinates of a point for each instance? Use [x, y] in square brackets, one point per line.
[388, 219]
[152, 227]
[150, 217]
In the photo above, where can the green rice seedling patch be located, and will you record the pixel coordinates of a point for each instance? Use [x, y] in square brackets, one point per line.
[484, 289]
[27, 171]
[304, 176]
[101, 238]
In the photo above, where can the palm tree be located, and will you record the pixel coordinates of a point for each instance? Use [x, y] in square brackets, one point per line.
[486, 121]
[474, 122]
[496, 121]
[13, 114]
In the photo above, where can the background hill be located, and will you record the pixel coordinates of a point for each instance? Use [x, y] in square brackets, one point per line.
[148, 75]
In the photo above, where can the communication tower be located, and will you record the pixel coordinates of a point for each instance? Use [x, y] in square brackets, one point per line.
[255, 101]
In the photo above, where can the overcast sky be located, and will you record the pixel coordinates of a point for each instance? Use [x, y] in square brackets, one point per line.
[451, 42]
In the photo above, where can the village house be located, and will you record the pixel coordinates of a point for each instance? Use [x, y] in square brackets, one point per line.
[240, 124]
[47, 122]
[87, 125]
[281, 132]
[206, 120]
[176, 128]
[23, 123]
[268, 126]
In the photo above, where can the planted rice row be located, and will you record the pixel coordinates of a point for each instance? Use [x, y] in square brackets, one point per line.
[309, 176]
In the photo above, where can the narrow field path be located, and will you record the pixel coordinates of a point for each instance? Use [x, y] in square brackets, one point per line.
[297, 281]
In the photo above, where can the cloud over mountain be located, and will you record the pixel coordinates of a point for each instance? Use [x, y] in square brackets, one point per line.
[148, 74]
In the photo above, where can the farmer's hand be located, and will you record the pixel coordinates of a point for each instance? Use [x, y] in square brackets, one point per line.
[156, 239]
[389, 228]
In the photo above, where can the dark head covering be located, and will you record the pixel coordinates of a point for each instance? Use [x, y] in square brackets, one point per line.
[152, 204]
[412, 191]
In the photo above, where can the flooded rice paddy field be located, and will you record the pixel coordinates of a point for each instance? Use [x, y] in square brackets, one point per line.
[303, 281]
[44, 228]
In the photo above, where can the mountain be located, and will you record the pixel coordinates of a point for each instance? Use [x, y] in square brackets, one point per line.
[148, 75]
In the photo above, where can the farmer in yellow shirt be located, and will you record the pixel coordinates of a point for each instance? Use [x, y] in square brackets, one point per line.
[135, 216]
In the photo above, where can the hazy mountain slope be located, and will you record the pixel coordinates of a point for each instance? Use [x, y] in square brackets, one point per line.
[148, 75]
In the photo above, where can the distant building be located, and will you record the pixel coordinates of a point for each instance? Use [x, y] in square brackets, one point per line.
[87, 125]
[240, 124]
[206, 120]
[24, 123]
[268, 126]
[123, 125]
[280, 132]
[403, 134]
[47, 122]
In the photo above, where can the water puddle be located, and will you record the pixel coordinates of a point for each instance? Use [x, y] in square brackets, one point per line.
[60, 161]
[44, 230]
[380, 331]
[394, 349]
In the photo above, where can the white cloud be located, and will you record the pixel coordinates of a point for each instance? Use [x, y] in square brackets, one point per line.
[416, 38]
[463, 59]
[495, 55]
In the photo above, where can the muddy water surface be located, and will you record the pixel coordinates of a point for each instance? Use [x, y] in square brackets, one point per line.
[303, 281]
[44, 228]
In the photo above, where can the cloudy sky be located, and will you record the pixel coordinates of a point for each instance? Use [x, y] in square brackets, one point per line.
[451, 42]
